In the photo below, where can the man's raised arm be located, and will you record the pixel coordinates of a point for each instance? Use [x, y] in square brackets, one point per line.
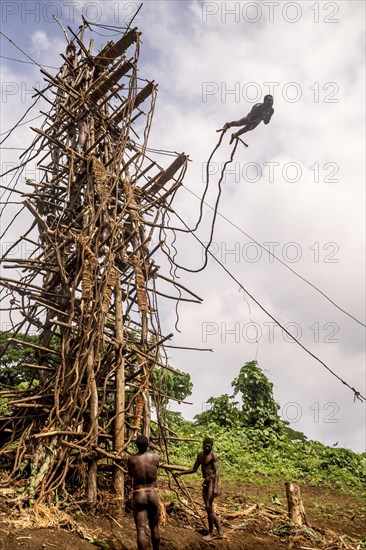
[190, 470]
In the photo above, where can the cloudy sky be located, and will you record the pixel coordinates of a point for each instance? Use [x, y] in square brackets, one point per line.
[297, 190]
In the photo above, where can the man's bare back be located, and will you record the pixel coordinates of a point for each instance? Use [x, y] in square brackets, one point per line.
[143, 468]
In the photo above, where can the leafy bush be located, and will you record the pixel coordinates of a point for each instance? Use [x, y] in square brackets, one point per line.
[257, 454]
[224, 412]
[12, 356]
[256, 442]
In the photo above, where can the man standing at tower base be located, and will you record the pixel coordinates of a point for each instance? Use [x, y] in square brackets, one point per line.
[143, 468]
[207, 459]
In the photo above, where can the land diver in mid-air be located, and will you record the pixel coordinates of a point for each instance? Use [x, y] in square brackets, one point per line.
[260, 111]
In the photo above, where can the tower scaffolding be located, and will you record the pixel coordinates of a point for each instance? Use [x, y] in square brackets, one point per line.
[89, 288]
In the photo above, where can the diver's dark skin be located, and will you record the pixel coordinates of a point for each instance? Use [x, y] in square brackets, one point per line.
[143, 468]
[260, 111]
[207, 459]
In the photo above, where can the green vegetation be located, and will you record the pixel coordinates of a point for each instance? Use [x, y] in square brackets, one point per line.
[254, 444]
[13, 356]
[245, 453]
[175, 384]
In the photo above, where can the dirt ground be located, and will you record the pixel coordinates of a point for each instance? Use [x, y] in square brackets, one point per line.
[252, 518]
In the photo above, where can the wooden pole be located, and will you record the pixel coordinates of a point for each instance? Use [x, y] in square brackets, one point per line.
[119, 428]
[92, 488]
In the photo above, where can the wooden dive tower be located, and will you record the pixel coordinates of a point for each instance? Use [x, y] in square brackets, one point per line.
[89, 290]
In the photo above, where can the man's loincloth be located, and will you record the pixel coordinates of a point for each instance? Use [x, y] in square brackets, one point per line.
[147, 489]
[207, 480]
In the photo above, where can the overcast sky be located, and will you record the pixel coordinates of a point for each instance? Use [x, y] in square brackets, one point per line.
[298, 189]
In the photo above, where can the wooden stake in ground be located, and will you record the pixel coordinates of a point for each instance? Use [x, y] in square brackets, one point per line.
[296, 510]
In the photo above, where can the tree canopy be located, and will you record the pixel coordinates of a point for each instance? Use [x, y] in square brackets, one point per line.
[12, 358]
[258, 409]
